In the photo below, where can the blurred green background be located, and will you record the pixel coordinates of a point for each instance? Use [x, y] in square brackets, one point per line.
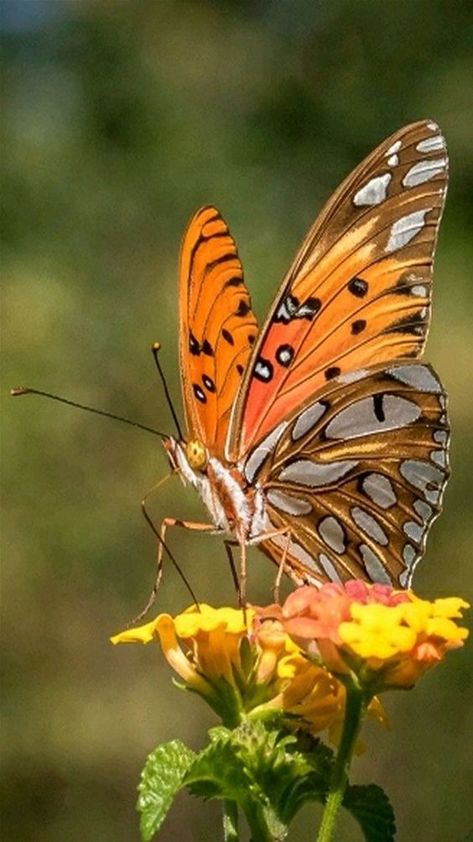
[119, 120]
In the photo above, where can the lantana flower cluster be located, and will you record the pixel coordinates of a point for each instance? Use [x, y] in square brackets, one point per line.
[295, 659]
[384, 637]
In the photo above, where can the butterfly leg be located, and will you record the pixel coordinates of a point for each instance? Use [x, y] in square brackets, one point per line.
[282, 565]
[286, 532]
[162, 546]
[228, 544]
[243, 575]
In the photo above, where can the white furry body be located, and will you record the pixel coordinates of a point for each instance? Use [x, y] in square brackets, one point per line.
[232, 509]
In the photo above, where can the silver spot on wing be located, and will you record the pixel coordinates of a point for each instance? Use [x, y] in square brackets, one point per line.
[373, 192]
[432, 144]
[419, 291]
[287, 503]
[413, 530]
[441, 436]
[360, 418]
[419, 376]
[405, 578]
[332, 533]
[423, 171]
[409, 553]
[352, 376]
[433, 495]
[308, 419]
[316, 474]
[329, 568]
[405, 229]
[380, 490]
[367, 523]
[424, 476]
[395, 147]
[262, 451]
[439, 457]
[373, 565]
[423, 509]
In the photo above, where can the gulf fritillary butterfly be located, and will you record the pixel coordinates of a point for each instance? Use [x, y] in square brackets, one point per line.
[320, 437]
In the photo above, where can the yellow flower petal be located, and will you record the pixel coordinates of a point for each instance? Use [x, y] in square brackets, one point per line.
[142, 634]
[193, 621]
[449, 607]
[446, 629]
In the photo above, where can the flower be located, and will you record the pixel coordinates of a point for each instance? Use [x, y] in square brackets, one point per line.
[244, 666]
[310, 695]
[212, 637]
[382, 636]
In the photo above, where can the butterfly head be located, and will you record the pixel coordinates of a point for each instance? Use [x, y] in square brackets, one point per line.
[196, 454]
[187, 457]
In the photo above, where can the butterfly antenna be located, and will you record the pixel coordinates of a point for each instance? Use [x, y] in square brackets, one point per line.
[155, 349]
[24, 390]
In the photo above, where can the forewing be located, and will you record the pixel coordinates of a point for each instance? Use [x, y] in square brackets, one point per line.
[357, 476]
[217, 327]
[358, 292]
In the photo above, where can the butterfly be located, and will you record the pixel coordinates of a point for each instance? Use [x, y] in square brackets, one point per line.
[320, 437]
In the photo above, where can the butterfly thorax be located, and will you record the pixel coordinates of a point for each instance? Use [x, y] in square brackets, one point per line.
[233, 506]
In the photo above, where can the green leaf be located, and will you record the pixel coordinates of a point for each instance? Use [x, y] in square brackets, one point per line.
[371, 807]
[161, 779]
[311, 769]
[217, 772]
[229, 769]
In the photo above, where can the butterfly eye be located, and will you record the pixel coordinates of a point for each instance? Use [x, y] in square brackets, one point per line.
[196, 455]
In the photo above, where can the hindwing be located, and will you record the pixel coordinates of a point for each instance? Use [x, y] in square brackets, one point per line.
[357, 475]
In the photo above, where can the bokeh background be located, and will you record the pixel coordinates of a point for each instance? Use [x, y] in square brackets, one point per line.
[119, 120]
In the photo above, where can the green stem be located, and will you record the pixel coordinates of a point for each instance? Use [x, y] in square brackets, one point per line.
[354, 710]
[230, 821]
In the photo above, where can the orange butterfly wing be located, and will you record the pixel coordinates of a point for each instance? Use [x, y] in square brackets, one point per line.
[217, 327]
[358, 292]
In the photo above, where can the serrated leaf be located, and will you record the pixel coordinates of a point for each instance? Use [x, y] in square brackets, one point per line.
[161, 780]
[371, 807]
[217, 772]
[288, 768]
[312, 769]
[221, 771]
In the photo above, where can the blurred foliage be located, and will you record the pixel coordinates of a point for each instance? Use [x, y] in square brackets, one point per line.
[119, 120]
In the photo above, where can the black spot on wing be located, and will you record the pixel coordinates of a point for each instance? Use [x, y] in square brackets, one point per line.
[243, 308]
[308, 309]
[358, 287]
[291, 308]
[194, 345]
[284, 355]
[227, 336]
[332, 372]
[207, 348]
[208, 383]
[358, 326]
[199, 393]
[287, 309]
[263, 370]
[378, 406]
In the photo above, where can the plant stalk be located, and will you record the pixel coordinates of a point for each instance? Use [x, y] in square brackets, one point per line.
[230, 821]
[354, 711]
